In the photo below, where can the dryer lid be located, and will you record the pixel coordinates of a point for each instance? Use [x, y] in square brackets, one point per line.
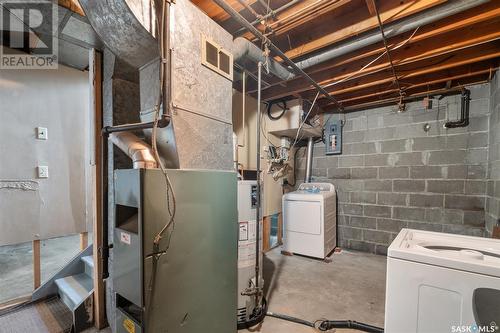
[472, 254]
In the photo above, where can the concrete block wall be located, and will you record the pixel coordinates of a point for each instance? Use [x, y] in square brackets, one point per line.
[392, 174]
[493, 188]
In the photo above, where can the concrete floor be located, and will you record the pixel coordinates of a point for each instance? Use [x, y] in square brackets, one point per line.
[351, 287]
[16, 264]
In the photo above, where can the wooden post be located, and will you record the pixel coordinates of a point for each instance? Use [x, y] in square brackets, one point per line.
[84, 240]
[36, 264]
[266, 233]
[99, 292]
[280, 228]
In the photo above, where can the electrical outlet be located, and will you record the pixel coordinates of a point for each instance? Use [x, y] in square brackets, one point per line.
[42, 133]
[43, 171]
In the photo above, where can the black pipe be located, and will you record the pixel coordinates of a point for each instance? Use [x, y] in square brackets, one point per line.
[325, 325]
[163, 122]
[349, 324]
[464, 112]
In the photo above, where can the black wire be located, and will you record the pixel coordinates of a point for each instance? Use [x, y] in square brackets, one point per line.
[283, 108]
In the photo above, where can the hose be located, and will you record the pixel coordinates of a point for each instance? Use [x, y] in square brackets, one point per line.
[325, 325]
[283, 107]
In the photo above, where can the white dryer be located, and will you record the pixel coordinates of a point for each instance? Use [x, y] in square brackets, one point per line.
[310, 220]
[440, 282]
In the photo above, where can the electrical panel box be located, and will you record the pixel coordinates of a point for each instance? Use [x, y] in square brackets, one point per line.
[333, 137]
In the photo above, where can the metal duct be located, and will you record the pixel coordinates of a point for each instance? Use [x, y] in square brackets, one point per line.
[139, 151]
[309, 160]
[391, 30]
[121, 30]
[245, 48]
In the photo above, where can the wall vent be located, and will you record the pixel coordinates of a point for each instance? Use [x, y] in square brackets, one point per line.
[216, 58]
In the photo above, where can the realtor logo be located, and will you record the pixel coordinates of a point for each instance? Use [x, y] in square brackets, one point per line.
[28, 37]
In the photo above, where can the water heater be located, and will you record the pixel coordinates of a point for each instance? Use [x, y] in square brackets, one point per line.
[247, 240]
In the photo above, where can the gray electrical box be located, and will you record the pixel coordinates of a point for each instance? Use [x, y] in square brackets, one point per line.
[333, 137]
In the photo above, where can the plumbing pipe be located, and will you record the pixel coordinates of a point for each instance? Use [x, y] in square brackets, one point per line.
[240, 19]
[258, 201]
[309, 159]
[139, 151]
[244, 107]
[464, 112]
[163, 122]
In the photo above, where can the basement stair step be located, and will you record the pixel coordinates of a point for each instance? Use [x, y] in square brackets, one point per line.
[74, 289]
[88, 261]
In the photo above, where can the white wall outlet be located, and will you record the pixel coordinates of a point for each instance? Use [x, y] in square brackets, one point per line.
[42, 133]
[43, 171]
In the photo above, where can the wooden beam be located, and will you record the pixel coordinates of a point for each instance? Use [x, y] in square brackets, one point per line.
[465, 38]
[460, 58]
[420, 81]
[412, 96]
[217, 13]
[371, 7]
[72, 5]
[486, 12]
[84, 240]
[36, 264]
[95, 62]
[387, 16]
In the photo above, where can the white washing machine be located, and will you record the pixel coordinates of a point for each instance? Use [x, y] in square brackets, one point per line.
[440, 282]
[310, 220]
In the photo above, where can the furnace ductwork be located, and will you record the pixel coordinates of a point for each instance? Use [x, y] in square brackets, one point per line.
[139, 151]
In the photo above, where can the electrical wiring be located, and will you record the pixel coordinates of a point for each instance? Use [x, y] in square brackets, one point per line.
[304, 120]
[171, 205]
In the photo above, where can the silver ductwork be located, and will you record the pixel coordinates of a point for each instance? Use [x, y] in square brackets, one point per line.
[139, 151]
[246, 49]
[199, 100]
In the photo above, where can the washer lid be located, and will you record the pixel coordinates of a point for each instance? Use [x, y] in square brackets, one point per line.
[311, 192]
[472, 254]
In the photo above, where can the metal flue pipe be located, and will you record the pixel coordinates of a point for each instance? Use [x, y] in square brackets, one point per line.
[139, 151]
[309, 160]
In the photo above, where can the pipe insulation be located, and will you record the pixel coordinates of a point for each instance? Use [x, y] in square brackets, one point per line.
[246, 49]
[139, 151]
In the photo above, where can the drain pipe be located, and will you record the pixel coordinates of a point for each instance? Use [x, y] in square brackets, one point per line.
[309, 159]
[258, 201]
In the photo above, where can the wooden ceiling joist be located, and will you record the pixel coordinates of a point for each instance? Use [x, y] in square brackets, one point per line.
[459, 49]
[72, 5]
[406, 9]
[414, 70]
[467, 37]
[476, 15]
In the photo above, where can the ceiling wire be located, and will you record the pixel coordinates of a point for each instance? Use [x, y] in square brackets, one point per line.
[396, 80]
